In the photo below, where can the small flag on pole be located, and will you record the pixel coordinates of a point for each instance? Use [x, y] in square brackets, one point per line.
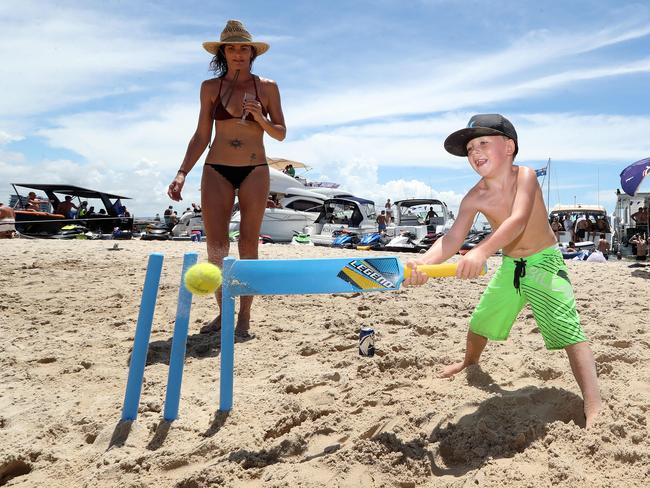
[541, 172]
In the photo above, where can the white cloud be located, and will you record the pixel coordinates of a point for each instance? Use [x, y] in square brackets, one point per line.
[559, 79]
[564, 136]
[13, 163]
[588, 138]
[482, 79]
[6, 138]
[120, 139]
[59, 55]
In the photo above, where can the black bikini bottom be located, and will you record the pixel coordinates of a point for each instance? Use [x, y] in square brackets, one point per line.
[234, 174]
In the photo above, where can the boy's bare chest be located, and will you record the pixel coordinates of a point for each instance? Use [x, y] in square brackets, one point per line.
[497, 207]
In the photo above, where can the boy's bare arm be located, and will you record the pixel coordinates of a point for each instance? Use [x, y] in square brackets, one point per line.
[514, 225]
[448, 245]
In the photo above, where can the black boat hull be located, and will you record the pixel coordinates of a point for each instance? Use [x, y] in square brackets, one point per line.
[41, 224]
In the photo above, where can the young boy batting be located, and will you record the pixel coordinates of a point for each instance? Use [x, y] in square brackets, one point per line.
[532, 271]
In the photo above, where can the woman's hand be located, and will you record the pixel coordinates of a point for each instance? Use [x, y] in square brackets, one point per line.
[417, 278]
[175, 187]
[254, 108]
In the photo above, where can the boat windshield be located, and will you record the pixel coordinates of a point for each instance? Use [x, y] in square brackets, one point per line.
[304, 205]
[369, 210]
[419, 214]
[343, 213]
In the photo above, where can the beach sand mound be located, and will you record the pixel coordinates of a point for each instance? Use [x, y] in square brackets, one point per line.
[308, 410]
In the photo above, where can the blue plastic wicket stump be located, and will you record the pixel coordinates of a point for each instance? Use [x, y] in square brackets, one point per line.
[141, 339]
[179, 343]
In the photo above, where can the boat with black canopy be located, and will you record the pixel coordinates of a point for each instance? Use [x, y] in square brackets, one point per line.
[48, 224]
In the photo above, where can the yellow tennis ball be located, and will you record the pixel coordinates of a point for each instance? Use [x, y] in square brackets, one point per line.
[203, 278]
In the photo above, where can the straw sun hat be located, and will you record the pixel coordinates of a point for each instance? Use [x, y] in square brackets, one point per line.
[235, 33]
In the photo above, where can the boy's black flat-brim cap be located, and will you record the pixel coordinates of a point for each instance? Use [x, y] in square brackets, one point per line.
[456, 143]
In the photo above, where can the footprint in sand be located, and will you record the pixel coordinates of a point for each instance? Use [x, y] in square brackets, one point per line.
[46, 360]
[621, 344]
[628, 357]
[308, 351]
[321, 444]
[503, 425]
[13, 468]
[294, 420]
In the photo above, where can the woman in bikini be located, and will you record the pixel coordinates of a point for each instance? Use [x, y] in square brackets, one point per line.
[242, 107]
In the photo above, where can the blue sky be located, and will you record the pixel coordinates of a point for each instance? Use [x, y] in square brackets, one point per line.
[105, 94]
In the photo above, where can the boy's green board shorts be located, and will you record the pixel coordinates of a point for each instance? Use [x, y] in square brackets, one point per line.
[541, 280]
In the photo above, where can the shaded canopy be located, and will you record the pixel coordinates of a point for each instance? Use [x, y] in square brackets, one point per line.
[281, 163]
[75, 191]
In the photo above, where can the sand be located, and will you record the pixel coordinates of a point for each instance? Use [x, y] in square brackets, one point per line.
[309, 411]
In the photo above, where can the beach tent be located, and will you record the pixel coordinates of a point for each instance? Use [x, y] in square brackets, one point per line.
[633, 175]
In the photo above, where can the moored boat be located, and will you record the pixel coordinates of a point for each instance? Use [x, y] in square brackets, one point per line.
[600, 223]
[349, 213]
[49, 224]
[419, 222]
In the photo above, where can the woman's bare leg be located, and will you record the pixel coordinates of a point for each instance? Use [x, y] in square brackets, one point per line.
[473, 350]
[217, 200]
[252, 197]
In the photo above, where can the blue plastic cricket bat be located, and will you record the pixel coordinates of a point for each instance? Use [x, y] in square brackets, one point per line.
[339, 275]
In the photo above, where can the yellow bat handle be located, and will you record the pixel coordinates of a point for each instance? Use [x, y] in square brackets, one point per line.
[444, 270]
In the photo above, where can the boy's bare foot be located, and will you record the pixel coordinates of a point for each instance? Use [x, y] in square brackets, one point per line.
[213, 326]
[452, 369]
[591, 415]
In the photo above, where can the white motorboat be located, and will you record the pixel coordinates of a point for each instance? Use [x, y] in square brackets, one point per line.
[417, 222]
[299, 208]
[593, 213]
[297, 212]
[300, 205]
[344, 213]
[189, 224]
